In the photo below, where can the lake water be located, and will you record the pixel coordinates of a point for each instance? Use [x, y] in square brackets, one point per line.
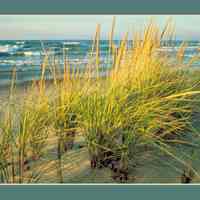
[26, 56]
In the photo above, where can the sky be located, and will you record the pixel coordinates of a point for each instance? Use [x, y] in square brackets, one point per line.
[41, 27]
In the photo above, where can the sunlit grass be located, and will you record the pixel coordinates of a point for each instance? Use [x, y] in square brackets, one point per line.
[146, 101]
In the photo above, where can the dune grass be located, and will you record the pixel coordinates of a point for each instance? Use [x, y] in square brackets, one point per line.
[145, 103]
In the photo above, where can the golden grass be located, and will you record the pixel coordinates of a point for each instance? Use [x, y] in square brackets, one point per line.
[146, 100]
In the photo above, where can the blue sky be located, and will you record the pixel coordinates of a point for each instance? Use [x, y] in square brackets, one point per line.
[83, 26]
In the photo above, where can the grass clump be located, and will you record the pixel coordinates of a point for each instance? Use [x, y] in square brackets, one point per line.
[144, 105]
[147, 102]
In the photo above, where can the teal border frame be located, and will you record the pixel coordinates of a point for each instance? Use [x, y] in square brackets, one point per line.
[99, 192]
[99, 7]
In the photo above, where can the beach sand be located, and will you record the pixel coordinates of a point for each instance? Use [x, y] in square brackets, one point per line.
[153, 167]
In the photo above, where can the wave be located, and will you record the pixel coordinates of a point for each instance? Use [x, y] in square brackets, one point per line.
[176, 48]
[10, 49]
[71, 43]
[32, 53]
[20, 42]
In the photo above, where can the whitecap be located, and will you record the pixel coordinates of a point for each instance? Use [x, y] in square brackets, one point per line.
[71, 43]
[32, 53]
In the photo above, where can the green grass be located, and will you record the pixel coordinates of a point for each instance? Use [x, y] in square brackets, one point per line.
[143, 108]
